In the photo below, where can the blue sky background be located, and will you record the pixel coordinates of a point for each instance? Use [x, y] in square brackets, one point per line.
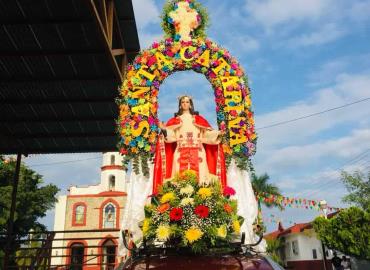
[301, 57]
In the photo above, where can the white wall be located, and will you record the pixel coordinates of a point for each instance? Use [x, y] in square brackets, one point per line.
[120, 175]
[83, 190]
[59, 225]
[306, 243]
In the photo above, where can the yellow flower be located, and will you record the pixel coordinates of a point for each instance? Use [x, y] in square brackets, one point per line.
[146, 224]
[236, 226]
[205, 192]
[222, 231]
[170, 196]
[163, 232]
[190, 173]
[193, 234]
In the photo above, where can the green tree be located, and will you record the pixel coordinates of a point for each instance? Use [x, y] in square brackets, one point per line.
[348, 232]
[261, 185]
[33, 200]
[273, 249]
[358, 186]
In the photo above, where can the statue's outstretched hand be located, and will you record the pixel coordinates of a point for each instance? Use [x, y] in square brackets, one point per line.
[161, 125]
[221, 133]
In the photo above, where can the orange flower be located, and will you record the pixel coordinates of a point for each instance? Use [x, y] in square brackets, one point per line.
[152, 137]
[163, 208]
[226, 148]
[228, 209]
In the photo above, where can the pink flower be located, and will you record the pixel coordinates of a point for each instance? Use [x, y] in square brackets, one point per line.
[228, 191]
[234, 66]
[151, 61]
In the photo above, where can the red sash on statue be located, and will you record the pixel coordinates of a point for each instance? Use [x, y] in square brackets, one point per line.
[163, 159]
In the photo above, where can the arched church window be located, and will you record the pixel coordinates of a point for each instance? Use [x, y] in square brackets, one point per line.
[112, 159]
[79, 214]
[112, 182]
[109, 217]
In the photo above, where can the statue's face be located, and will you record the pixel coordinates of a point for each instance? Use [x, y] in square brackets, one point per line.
[185, 104]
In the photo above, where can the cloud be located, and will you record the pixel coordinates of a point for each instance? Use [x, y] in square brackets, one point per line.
[327, 72]
[359, 11]
[146, 13]
[147, 39]
[325, 34]
[272, 13]
[303, 23]
[240, 45]
[65, 170]
[298, 157]
[346, 89]
[190, 83]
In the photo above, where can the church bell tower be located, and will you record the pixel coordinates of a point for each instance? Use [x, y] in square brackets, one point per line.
[113, 176]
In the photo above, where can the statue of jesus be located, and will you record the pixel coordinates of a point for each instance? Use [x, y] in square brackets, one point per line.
[188, 143]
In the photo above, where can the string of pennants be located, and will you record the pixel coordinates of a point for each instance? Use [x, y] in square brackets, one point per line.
[293, 202]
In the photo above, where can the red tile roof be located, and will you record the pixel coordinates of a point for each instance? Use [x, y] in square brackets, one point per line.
[296, 228]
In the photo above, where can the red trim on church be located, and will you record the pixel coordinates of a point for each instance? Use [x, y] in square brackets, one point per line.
[101, 194]
[100, 248]
[69, 250]
[111, 167]
[101, 212]
[74, 223]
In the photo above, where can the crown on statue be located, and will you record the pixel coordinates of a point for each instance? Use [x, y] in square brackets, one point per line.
[184, 95]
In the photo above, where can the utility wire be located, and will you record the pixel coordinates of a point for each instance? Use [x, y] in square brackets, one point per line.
[354, 160]
[320, 187]
[313, 114]
[63, 162]
[264, 127]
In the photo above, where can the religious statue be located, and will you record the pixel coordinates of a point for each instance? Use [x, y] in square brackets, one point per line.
[188, 142]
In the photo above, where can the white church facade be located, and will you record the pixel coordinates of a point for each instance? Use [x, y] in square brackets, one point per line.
[95, 207]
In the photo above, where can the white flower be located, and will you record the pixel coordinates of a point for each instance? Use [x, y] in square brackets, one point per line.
[187, 201]
[187, 190]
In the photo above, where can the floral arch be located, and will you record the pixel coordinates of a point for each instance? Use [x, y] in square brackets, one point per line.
[185, 48]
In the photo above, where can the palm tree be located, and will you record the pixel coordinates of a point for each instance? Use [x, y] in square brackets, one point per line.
[260, 186]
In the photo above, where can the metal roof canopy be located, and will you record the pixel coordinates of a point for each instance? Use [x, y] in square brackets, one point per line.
[61, 63]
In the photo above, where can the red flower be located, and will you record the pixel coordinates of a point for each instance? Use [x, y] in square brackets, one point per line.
[228, 191]
[201, 211]
[176, 214]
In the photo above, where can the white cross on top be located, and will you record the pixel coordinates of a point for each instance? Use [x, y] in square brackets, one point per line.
[185, 20]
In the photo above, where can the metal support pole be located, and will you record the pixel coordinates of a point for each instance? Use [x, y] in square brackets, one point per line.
[323, 255]
[9, 242]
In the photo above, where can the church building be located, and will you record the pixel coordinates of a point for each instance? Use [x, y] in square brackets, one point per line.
[95, 207]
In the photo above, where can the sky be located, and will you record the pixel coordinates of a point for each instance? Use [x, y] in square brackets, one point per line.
[302, 57]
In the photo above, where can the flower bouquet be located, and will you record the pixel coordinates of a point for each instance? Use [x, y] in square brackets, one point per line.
[187, 214]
